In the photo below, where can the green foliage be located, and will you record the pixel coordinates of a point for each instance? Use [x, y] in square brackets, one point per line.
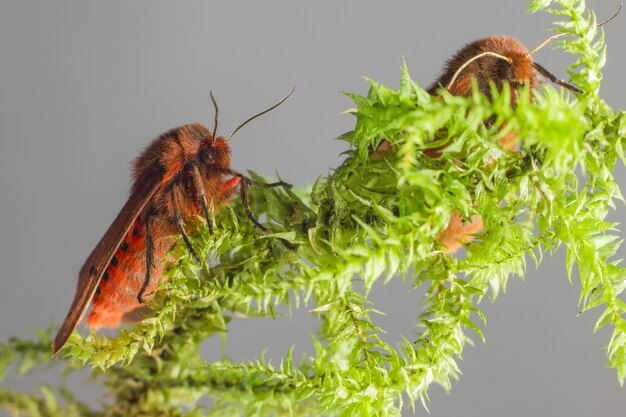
[372, 219]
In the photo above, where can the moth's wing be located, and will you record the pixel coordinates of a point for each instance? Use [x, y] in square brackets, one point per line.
[91, 272]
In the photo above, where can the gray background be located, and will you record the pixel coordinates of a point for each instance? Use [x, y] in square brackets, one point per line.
[85, 85]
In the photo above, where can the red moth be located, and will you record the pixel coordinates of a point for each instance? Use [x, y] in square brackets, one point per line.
[499, 60]
[178, 176]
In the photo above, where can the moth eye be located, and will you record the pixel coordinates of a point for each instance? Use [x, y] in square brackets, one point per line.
[207, 156]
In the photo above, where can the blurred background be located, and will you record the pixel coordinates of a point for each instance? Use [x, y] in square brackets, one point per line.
[85, 85]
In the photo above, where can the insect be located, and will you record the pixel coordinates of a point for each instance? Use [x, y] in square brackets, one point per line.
[496, 59]
[180, 175]
[499, 60]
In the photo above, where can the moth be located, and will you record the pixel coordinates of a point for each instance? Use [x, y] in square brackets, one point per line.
[499, 60]
[180, 175]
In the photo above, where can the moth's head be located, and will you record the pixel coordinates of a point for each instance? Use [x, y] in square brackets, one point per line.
[517, 72]
[214, 152]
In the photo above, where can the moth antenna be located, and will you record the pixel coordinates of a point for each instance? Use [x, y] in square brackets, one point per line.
[547, 41]
[560, 35]
[215, 117]
[260, 114]
[555, 80]
[619, 9]
[474, 58]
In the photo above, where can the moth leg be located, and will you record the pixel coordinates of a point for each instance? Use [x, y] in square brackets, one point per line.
[244, 183]
[149, 256]
[243, 187]
[250, 181]
[269, 185]
[181, 227]
[197, 179]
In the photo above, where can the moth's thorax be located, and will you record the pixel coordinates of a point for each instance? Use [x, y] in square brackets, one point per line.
[501, 44]
[167, 154]
[190, 138]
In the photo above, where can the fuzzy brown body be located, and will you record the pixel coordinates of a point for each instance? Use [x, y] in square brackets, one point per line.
[171, 177]
[518, 72]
